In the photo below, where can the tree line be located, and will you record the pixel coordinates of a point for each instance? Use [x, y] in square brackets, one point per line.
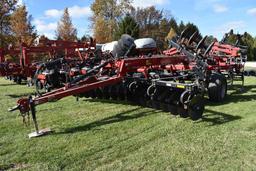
[16, 26]
[110, 19]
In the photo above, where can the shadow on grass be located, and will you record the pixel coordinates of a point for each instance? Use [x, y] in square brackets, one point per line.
[236, 95]
[124, 116]
[5, 85]
[241, 89]
[233, 99]
[218, 118]
[13, 83]
[19, 95]
[213, 117]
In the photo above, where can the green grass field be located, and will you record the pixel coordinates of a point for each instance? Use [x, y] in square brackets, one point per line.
[111, 135]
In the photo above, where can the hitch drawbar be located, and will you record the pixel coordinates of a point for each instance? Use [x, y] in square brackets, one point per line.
[25, 106]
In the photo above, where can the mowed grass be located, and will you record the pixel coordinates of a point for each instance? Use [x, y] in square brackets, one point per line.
[111, 135]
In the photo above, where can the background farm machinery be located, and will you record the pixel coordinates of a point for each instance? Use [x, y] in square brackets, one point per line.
[175, 83]
[49, 49]
[54, 74]
[224, 58]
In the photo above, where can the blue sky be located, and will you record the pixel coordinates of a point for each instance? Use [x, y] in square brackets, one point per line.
[213, 17]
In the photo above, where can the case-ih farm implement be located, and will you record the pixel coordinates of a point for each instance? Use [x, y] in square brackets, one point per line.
[175, 81]
[26, 69]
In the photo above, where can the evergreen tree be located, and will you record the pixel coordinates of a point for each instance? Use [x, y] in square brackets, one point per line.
[6, 8]
[106, 15]
[65, 28]
[181, 27]
[172, 33]
[127, 26]
[22, 29]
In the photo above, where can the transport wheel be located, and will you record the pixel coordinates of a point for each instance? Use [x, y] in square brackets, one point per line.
[39, 87]
[252, 73]
[47, 88]
[196, 107]
[18, 81]
[217, 88]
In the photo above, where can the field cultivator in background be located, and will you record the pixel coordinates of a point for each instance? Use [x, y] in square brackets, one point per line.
[223, 58]
[25, 69]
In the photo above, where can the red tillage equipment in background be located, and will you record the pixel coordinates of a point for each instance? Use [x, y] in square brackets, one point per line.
[52, 48]
[224, 58]
[54, 73]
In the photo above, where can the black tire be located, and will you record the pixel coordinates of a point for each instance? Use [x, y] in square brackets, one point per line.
[182, 112]
[19, 80]
[123, 45]
[246, 73]
[252, 73]
[217, 88]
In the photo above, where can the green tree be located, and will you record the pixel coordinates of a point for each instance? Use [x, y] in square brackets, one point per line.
[65, 28]
[127, 26]
[181, 27]
[192, 28]
[247, 40]
[210, 39]
[6, 8]
[173, 24]
[172, 33]
[149, 20]
[22, 29]
[106, 15]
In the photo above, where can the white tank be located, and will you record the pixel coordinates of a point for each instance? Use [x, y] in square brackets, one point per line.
[145, 43]
[109, 46]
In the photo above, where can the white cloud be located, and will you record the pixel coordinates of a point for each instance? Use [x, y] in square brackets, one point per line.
[20, 2]
[235, 25]
[49, 35]
[43, 27]
[53, 13]
[75, 12]
[218, 8]
[147, 3]
[252, 11]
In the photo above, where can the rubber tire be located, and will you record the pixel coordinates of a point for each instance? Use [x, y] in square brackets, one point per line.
[217, 88]
[252, 73]
[123, 45]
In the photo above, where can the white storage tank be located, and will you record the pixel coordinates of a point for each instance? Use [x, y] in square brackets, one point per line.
[145, 43]
[109, 46]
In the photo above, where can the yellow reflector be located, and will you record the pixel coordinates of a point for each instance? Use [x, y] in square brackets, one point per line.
[181, 86]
